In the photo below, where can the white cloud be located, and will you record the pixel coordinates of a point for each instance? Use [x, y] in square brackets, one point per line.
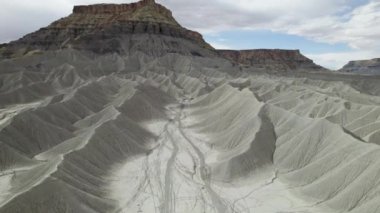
[328, 21]
[360, 29]
[217, 15]
[289, 8]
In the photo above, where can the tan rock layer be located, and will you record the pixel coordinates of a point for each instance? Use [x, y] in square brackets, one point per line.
[117, 8]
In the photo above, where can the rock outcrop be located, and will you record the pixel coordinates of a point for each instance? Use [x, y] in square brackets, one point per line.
[106, 28]
[271, 59]
[363, 66]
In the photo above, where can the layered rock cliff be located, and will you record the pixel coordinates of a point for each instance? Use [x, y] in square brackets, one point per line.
[106, 28]
[363, 66]
[271, 59]
[144, 26]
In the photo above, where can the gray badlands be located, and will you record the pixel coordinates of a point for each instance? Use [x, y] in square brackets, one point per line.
[136, 114]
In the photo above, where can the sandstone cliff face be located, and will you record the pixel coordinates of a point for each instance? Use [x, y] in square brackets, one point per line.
[105, 28]
[101, 15]
[119, 8]
[363, 66]
[270, 59]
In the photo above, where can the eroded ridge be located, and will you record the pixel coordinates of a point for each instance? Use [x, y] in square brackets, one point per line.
[176, 133]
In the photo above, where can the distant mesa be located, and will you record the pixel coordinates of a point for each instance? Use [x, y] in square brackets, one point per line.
[271, 59]
[363, 66]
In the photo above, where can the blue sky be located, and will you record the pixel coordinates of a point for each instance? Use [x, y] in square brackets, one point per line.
[256, 39]
[331, 32]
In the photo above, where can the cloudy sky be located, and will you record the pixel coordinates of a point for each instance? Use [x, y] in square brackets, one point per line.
[331, 32]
